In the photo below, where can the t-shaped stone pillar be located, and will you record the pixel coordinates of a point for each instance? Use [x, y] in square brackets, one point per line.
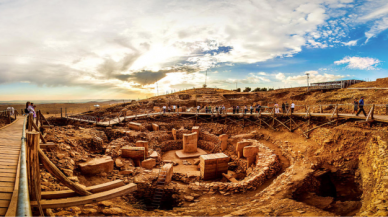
[240, 147]
[173, 131]
[224, 141]
[250, 153]
[195, 129]
[190, 142]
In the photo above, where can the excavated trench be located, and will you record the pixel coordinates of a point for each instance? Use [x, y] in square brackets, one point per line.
[331, 191]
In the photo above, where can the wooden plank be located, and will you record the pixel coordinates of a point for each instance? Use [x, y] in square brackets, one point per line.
[6, 184]
[3, 211]
[7, 170]
[76, 201]
[4, 203]
[93, 189]
[15, 195]
[48, 145]
[7, 179]
[8, 162]
[9, 175]
[5, 196]
[8, 167]
[6, 189]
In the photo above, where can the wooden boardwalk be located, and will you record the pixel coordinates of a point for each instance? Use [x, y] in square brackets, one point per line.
[10, 143]
[378, 118]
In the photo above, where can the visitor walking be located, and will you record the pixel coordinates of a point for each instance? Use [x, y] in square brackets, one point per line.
[205, 109]
[251, 109]
[287, 106]
[217, 109]
[292, 107]
[169, 109]
[237, 109]
[234, 109]
[198, 107]
[164, 109]
[284, 108]
[245, 109]
[258, 108]
[355, 109]
[210, 109]
[361, 106]
[174, 108]
[276, 108]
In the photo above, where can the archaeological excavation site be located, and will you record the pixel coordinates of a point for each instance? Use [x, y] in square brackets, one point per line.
[197, 159]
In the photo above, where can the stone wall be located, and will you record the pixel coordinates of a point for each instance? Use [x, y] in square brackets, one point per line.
[267, 165]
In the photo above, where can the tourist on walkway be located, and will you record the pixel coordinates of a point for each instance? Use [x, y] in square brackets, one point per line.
[287, 106]
[174, 108]
[217, 109]
[284, 107]
[361, 105]
[205, 109]
[245, 109]
[292, 107]
[355, 109]
[258, 107]
[237, 109]
[164, 109]
[169, 109]
[234, 109]
[251, 109]
[210, 109]
[276, 108]
[198, 107]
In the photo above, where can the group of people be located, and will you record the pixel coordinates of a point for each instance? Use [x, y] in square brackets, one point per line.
[174, 108]
[30, 109]
[216, 109]
[359, 106]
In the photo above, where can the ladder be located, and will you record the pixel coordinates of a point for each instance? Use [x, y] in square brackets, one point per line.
[159, 190]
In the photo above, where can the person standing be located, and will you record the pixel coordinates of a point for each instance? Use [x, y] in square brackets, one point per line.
[169, 109]
[287, 106]
[205, 108]
[258, 108]
[164, 109]
[237, 109]
[292, 107]
[245, 109]
[251, 109]
[361, 106]
[284, 108]
[217, 109]
[198, 107]
[210, 109]
[234, 109]
[276, 108]
[355, 109]
[174, 108]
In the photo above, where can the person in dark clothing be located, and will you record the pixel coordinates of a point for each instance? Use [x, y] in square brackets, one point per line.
[284, 107]
[361, 106]
[237, 109]
[205, 109]
[355, 109]
[234, 109]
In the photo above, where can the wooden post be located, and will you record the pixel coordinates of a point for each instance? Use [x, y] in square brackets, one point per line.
[320, 109]
[30, 122]
[9, 117]
[37, 119]
[61, 113]
[33, 171]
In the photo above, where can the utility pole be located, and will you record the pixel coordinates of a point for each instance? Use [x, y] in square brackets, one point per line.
[307, 81]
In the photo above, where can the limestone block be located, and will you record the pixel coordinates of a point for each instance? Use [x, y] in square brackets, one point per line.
[190, 143]
[155, 127]
[97, 165]
[174, 133]
[224, 141]
[134, 126]
[240, 147]
[195, 129]
[149, 163]
[155, 155]
[133, 152]
[157, 109]
[143, 144]
[169, 169]
[213, 165]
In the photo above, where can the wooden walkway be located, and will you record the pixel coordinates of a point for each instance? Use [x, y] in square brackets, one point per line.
[378, 118]
[10, 142]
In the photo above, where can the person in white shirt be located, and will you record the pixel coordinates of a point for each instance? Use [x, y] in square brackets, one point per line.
[292, 107]
[276, 108]
[251, 109]
[164, 109]
[173, 108]
[198, 107]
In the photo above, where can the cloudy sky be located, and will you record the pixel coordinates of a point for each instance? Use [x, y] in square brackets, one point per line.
[125, 49]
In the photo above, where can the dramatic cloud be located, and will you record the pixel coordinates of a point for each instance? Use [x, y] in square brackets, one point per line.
[129, 44]
[364, 63]
[314, 76]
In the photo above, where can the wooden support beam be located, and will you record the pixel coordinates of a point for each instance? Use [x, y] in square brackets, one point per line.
[76, 201]
[53, 170]
[320, 126]
[282, 124]
[37, 130]
[370, 115]
[49, 195]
